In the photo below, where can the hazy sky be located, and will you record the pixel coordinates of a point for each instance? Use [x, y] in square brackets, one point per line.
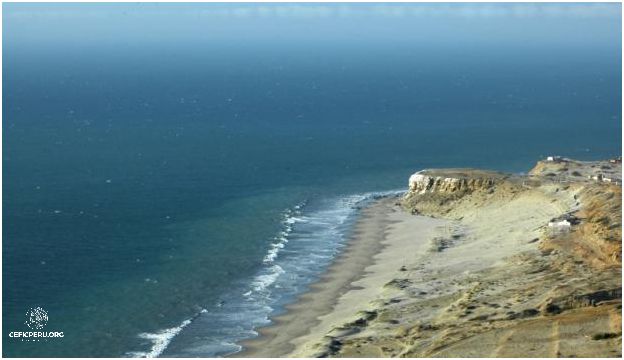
[92, 24]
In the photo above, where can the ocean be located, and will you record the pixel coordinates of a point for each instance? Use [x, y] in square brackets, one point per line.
[165, 192]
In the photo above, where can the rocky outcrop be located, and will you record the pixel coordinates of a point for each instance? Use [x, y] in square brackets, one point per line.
[420, 183]
[436, 192]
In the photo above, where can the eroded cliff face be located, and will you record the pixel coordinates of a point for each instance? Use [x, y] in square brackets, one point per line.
[421, 183]
[436, 192]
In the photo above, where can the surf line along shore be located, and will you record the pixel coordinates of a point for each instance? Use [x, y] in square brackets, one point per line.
[381, 245]
[471, 263]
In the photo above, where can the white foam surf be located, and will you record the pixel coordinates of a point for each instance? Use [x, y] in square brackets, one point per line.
[289, 218]
[161, 339]
[322, 224]
[307, 242]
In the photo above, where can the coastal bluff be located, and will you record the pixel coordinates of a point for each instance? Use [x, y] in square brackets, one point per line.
[452, 180]
[513, 265]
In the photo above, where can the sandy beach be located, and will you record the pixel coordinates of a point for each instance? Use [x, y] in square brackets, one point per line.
[469, 263]
[371, 259]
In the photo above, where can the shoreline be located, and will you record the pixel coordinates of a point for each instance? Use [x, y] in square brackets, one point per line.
[470, 263]
[330, 299]
[329, 286]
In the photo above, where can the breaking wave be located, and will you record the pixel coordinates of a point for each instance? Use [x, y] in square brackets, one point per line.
[309, 238]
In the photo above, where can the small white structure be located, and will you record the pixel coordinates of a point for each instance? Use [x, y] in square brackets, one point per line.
[553, 158]
[606, 179]
[563, 225]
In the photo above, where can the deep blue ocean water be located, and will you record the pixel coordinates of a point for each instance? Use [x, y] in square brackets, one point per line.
[166, 196]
